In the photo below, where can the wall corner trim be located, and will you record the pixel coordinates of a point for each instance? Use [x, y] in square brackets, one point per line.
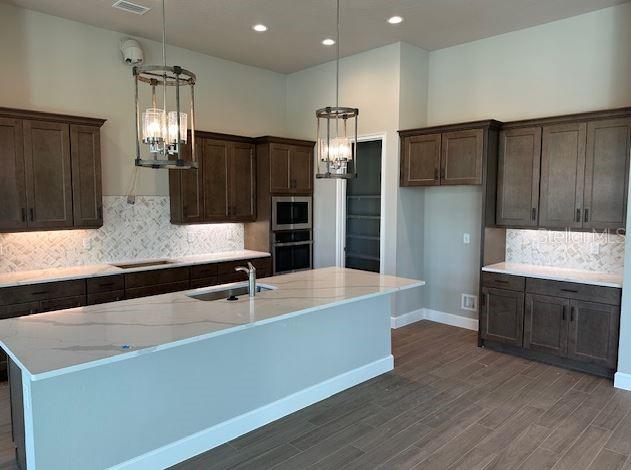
[436, 316]
[622, 381]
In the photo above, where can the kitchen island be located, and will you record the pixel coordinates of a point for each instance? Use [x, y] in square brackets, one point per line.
[149, 382]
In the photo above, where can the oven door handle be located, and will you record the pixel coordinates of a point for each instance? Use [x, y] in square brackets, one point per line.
[310, 242]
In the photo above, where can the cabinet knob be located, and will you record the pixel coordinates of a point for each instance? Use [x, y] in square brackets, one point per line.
[24, 214]
[578, 215]
[585, 215]
[32, 214]
[534, 213]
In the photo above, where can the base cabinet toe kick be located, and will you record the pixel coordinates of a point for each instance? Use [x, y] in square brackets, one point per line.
[562, 323]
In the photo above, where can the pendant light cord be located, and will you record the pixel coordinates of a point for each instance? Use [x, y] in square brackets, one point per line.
[164, 36]
[337, 70]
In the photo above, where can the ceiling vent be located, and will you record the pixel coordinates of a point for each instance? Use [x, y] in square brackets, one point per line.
[131, 7]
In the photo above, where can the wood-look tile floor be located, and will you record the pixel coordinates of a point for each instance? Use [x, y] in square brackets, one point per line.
[447, 405]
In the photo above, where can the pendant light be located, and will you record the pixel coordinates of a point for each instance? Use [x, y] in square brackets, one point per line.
[162, 134]
[337, 131]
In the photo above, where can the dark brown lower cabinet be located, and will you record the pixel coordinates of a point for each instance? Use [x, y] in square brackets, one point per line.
[567, 324]
[545, 325]
[502, 316]
[593, 333]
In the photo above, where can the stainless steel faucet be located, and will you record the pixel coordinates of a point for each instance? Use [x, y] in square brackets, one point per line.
[251, 272]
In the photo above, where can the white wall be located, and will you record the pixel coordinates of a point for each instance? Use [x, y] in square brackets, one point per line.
[578, 64]
[56, 65]
[369, 81]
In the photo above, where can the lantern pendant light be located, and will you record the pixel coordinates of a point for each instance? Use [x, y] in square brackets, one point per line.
[337, 131]
[161, 135]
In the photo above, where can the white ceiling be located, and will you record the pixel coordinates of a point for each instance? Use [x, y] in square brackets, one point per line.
[222, 28]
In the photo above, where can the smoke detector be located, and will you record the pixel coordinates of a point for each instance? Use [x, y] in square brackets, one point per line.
[130, 7]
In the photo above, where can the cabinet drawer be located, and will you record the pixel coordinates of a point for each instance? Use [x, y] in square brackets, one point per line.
[62, 304]
[156, 289]
[204, 271]
[44, 291]
[156, 276]
[18, 310]
[570, 290]
[105, 284]
[503, 281]
[105, 297]
[204, 282]
[261, 264]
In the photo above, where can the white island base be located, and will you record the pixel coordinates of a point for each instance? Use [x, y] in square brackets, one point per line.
[168, 403]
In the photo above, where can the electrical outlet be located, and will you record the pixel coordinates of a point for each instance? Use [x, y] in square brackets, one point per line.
[595, 248]
[466, 238]
[87, 243]
[469, 302]
[190, 236]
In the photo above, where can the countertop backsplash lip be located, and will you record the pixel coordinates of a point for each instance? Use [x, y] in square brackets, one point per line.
[566, 249]
[130, 232]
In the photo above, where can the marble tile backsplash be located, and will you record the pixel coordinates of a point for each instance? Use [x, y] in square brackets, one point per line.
[138, 231]
[575, 250]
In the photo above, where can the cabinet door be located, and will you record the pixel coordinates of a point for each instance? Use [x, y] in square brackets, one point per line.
[242, 183]
[545, 324]
[518, 177]
[12, 176]
[462, 154]
[301, 170]
[562, 175]
[280, 180]
[87, 196]
[420, 160]
[186, 189]
[502, 316]
[215, 160]
[48, 174]
[593, 333]
[607, 174]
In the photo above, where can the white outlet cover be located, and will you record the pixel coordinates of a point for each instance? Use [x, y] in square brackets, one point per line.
[469, 302]
[595, 249]
[466, 238]
[190, 237]
[87, 243]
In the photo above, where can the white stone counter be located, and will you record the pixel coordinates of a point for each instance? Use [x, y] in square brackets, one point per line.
[557, 274]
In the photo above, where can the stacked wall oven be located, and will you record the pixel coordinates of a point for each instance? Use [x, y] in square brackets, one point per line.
[292, 233]
[284, 221]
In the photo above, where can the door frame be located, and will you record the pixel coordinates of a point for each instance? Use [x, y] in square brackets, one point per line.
[340, 207]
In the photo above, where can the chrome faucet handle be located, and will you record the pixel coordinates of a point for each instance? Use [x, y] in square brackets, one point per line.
[251, 267]
[242, 268]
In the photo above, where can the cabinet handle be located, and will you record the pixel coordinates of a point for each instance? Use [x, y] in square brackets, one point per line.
[564, 308]
[578, 215]
[572, 314]
[585, 215]
[534, 213]
[501, 281]
[32, 214]
[99, 212]
[23, 214]
[572, 291]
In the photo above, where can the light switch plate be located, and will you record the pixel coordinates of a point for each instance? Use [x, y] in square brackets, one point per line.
[466, 238]
[469, 302]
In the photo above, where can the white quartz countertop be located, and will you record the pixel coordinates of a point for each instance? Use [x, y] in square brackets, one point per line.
[53, 343]
[38, 276]
[557, 274]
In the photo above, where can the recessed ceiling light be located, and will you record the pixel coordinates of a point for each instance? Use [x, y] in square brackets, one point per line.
[259, 28]
[395, 20]
[328, 42]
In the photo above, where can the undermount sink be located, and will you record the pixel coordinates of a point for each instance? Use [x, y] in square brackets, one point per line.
[142, 264]
[232, 293]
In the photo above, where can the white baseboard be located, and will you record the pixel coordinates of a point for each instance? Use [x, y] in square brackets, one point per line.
[212, 437]
[622, 381]
[434, 315]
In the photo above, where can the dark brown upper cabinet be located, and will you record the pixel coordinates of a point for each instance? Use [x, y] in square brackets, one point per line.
[222, 188]
[87, 194]
[420, 160]
[562, 175]
[518, 177]
[185, 188]
[48, 174]
[448, 155]
[291, 165]
[12, 176]
[53, 171]
[462, 153]
[607, 173]
[582, 179]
